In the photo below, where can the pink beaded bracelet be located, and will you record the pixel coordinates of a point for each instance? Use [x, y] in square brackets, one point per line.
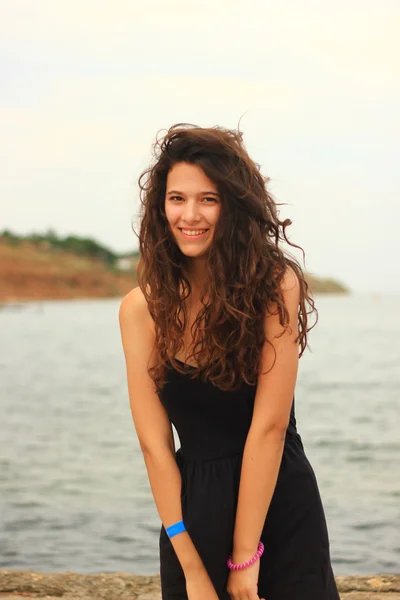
[238, 567]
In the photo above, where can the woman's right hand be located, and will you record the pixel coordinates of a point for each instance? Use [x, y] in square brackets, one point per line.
[199, 587]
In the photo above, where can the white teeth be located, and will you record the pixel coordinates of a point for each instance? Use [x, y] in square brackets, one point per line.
[191, 232]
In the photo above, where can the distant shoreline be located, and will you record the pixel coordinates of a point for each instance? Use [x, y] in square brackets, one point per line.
[34, 272]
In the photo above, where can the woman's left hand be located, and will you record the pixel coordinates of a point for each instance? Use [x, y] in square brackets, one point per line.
[243, 584]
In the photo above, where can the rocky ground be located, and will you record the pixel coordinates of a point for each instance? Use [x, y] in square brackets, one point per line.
[20, 585]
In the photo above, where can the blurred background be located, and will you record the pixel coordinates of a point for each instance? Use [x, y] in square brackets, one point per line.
[85, 87]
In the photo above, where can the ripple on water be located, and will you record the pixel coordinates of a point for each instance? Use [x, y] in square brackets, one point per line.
[72, 476]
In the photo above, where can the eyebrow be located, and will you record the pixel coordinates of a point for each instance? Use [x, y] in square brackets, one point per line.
[203, 193]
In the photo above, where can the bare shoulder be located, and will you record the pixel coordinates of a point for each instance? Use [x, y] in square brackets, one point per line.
[133, 305]
[290, 291]
[134, 315]
[290, 281]
[137, 329]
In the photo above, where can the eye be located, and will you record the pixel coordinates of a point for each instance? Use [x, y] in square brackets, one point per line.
[211, 198]
[175, 197]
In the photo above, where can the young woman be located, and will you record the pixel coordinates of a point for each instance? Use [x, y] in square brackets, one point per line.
[212, 337]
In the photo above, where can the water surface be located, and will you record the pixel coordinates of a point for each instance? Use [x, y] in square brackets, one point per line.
[74, 488]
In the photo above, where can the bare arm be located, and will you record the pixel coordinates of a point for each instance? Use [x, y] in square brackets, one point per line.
[265, 440]
[152, 425]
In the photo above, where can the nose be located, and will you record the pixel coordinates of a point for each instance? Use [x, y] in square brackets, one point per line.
[190, 211]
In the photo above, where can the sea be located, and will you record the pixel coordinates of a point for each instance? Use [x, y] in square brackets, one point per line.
[74, 491]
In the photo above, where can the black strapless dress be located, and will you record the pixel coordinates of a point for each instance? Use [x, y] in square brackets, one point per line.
[212, 426]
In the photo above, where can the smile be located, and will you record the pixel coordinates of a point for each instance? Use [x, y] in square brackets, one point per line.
[193, 234]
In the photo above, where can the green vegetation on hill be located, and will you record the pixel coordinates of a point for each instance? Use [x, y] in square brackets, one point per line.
[71, 243]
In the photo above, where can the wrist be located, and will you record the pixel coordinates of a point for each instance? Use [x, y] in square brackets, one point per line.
[235, 563]
[194, 569]
[193, 566]
[241, 554]
[187, 554]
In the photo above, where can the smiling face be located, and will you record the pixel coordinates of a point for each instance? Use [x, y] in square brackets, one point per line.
[192, 207]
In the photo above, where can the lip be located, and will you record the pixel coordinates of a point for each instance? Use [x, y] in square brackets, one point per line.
[193, 237]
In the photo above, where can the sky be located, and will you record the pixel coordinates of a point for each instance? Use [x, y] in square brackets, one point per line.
[86, 85]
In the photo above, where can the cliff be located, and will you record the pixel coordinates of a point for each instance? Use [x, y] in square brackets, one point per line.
[31, 272]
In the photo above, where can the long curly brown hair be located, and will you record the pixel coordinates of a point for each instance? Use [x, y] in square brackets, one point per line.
[245, 263]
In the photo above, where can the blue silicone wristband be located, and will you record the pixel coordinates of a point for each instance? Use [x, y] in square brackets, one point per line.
[175, 529]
